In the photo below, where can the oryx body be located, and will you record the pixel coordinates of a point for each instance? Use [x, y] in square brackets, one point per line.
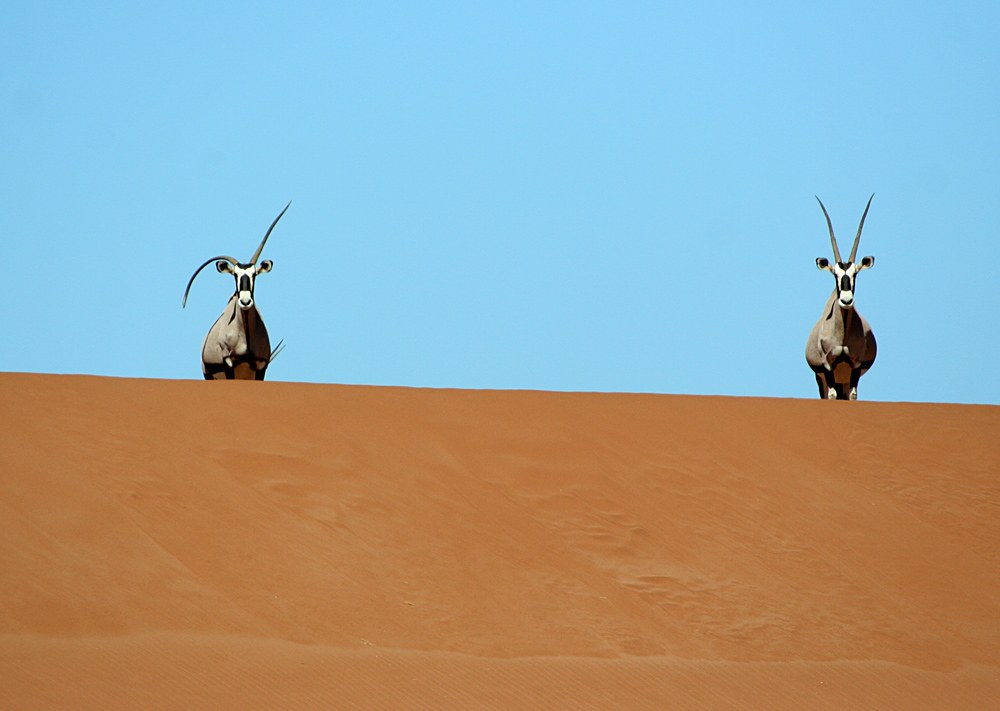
[841, 346]
[237, 346]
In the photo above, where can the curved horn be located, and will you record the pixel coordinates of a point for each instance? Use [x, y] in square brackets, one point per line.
[207, 262]
[256, 255]
[833, 240]
[857, 238]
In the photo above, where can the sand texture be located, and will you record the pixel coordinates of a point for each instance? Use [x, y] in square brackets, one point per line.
[193, 545]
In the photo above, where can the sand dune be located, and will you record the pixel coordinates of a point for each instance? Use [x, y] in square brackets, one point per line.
[182, 544]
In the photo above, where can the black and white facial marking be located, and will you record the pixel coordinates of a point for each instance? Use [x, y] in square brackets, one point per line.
[845, 274]
[245, 275]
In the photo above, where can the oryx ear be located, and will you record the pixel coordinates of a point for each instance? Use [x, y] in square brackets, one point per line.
[265, 266]
[224, 267]
[822, 263]
[866, 263]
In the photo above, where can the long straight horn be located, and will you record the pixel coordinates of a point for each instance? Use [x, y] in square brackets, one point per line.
[857, 238]
[207, 262]
[256, 255]
[833, 240]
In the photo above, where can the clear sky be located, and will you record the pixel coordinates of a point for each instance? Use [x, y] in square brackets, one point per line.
[609, 196]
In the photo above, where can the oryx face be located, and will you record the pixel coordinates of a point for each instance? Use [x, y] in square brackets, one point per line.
[245, 275]
[845, 274]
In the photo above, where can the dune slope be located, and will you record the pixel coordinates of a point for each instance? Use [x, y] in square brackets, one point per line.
[173, 544]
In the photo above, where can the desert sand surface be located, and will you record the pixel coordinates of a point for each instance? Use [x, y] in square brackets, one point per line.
[244, 545]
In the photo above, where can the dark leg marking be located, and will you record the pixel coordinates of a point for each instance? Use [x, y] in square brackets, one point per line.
[213, 370]
[855, 377]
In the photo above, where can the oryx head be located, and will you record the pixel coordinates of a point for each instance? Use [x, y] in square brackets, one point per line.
[245, 273]
[845, 272]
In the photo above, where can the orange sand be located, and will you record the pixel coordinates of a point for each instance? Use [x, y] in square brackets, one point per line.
[183, 544]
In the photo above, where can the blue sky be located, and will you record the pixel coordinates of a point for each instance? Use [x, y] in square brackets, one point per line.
[569, 196]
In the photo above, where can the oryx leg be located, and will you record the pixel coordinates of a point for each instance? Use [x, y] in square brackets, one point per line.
[825, 382]
[832, 386]
[856, 378]
[832, 391]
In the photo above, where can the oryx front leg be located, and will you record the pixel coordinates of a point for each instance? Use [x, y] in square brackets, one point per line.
[828, 386]
[855, 379]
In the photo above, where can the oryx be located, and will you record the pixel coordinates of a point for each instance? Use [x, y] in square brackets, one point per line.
[841, 346]
[237, 347]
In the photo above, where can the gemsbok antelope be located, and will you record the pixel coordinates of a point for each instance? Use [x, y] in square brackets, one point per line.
[841, 346]
[237, 346]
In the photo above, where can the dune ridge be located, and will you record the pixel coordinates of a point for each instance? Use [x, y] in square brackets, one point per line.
[253, 545]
